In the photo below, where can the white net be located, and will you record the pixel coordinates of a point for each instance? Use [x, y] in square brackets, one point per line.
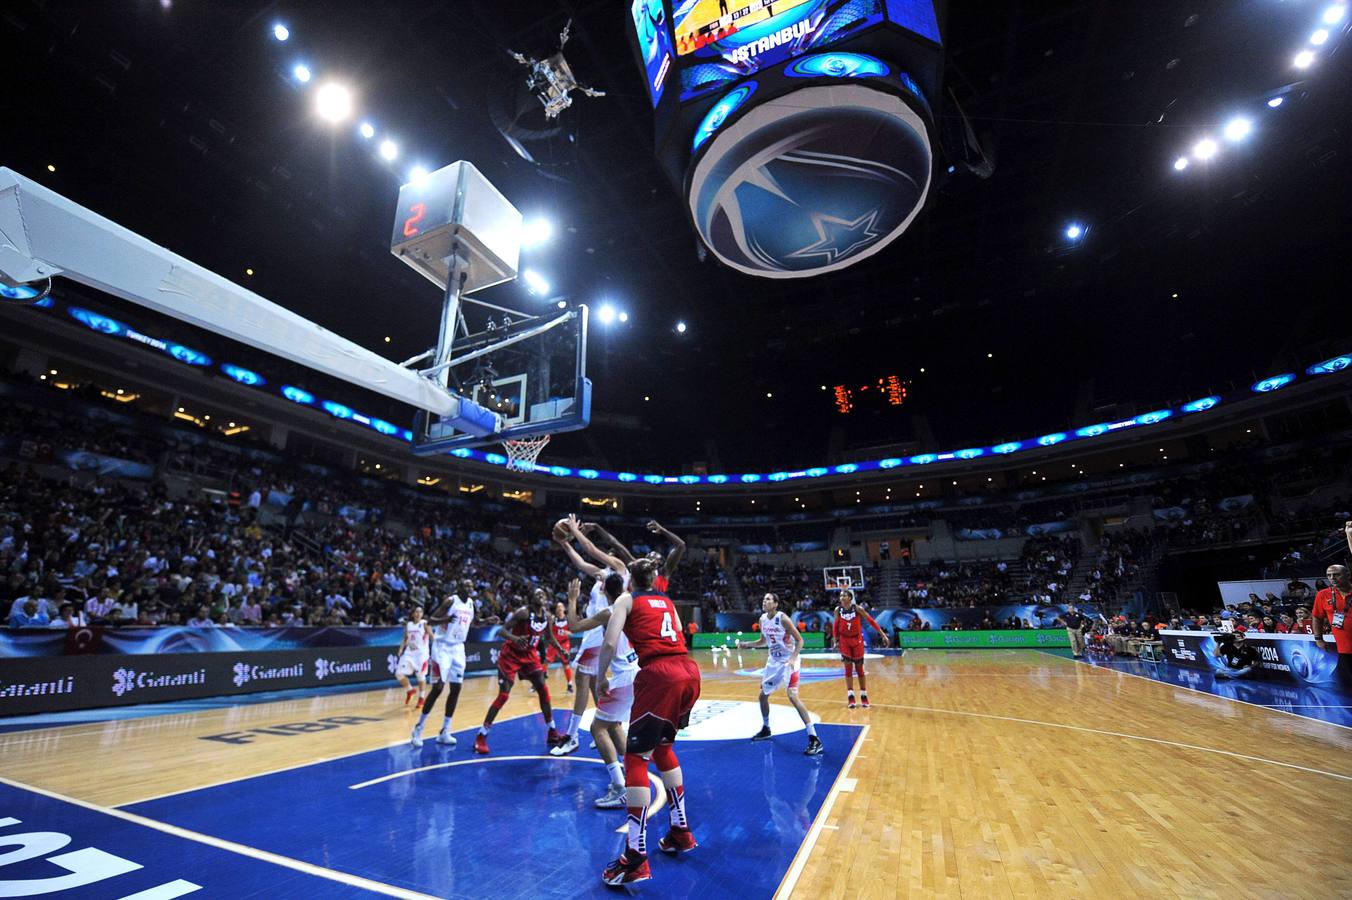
[521, 454]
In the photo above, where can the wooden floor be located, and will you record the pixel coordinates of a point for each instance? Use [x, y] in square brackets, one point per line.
[982, 774]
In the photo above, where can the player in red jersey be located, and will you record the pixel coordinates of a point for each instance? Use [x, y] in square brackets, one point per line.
[562, 646]
[665, 692]
[848, 629]
[523, 631]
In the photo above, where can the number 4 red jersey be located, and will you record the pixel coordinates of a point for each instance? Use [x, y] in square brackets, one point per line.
[654, 628]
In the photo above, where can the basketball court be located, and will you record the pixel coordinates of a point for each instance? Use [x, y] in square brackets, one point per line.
[976, 773]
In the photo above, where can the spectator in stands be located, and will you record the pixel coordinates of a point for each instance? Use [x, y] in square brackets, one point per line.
[29, 615]
[202, 619]
[67, 618]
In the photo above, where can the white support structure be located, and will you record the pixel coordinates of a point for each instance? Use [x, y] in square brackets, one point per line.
[43, 235]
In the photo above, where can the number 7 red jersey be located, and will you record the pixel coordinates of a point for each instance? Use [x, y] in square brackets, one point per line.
[654, 628]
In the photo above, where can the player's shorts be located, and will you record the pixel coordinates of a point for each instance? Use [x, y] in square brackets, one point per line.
[852, 650]
[665, 691]
[616, 705]
[586, 663]
[778, 674]
[448, 665]
[511, 666]
[552, 655]
[411, 664]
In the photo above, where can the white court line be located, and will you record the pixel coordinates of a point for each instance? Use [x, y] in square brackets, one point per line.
[166, 891]
[221, 844]
[660, 791]
[1284, 712]
[1121, 734]
[800, 858]
[300, 765]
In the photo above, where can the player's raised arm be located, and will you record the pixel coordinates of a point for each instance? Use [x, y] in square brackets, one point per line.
[577, 624]
[623, 552]
[562, 536]
[614, 563]
[1347, 532]
[876, 627]
[677, 551]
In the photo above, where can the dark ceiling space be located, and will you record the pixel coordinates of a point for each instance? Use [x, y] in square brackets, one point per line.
[182, 121]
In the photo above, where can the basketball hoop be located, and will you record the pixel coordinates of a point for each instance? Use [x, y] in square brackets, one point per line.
[521, 454]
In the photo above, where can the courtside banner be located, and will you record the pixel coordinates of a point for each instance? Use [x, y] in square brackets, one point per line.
[1023, 637]
[1290, 658]
[812, 640]
[47, 684]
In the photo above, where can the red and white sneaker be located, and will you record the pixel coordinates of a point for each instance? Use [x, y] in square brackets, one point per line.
[481, 744]
[409, 695]
[631, 868]
[677, 840]
[419, 704]
[865, 702]
[850, 703]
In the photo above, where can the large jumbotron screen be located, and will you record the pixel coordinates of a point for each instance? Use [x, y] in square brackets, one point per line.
[721, 41]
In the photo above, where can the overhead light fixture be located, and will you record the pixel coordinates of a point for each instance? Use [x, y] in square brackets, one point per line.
[680, 328]
[301, 72]
[1073, 232]
[536, 232]
[1180, 164]
[1205, 149]
[281, 32]
[51, 168]
[1320, 37]
[367, 130]
[389, 150]
[562, 304]
[1304, 59]
[417, 174]
[1275, 102]
[624, 317]
[606, 314]
[535, 282]
[1237, 129]
[333, 103]
[1334, 14]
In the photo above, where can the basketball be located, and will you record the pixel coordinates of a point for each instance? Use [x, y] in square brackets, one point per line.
[561, 530]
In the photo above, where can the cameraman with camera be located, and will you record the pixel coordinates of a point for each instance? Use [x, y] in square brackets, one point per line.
[1236, 655]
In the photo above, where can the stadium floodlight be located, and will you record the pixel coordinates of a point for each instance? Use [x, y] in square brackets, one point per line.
[417, 174]
[301, 72]
[1275, 102]
[606, 314]
[1074, 232]
[1304, 59]
[333, 102]
[1180, 164]
[1334, 14]
[389, 150]
[1238, 128]
[1320, 37]
[1205, 149]
[680, 328]
[624, 317]
[536, 232]
[281, 32]
[535, 282]
[367, 130]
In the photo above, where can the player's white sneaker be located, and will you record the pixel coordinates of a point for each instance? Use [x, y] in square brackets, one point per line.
[446, 738]
[613, 798]
[566, 747]
[417, 740]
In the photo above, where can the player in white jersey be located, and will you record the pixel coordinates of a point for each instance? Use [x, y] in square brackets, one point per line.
[781, 669]
[612, 707]
[413, 655]
[450, 627]
[565, 531]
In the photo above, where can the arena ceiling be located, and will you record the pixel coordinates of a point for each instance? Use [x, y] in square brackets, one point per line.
[183, 121]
